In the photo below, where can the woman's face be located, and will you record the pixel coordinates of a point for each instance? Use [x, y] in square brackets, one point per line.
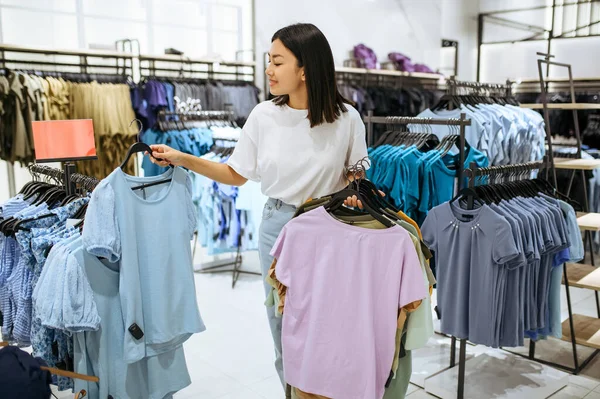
[285, 77]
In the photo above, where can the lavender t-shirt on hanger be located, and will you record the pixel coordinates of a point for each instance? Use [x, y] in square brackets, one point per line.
[345, 286]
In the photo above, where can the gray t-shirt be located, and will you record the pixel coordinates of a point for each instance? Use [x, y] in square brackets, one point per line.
[471, 246]
[510, 331]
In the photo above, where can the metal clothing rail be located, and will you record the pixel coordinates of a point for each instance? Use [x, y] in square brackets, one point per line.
[66, 176]
[461, 122]
[472, 173]
[556, 85]
[78, 61]
[455, 87]
[545, 59]
[218, 266]
[173, 66]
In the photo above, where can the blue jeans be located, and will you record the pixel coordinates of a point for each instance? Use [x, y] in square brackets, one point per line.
[275, 215]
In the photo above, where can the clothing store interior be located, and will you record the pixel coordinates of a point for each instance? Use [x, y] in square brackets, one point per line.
[168, 166]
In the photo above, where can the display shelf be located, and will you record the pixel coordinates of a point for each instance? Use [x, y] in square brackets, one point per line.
[583, 276]
[564, 106]
[588, 221]
[576, 164]
[587, 331]
[52, 51]
[388, 72]
[185, 59]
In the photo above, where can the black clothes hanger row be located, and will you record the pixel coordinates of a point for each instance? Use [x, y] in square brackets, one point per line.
[474, 93]
[496, 192]
[47, 193]
[373, 202]
[164, 123]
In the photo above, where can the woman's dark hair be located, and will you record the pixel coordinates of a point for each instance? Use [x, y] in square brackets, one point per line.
[310, 46]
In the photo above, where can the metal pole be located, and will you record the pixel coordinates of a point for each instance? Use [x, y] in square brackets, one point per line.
[369, 129]
[69, 169]
[453, 352]
[12, 188]
[547, 118]
[461, 368]
[551, 35]
[480, 22]
[571, 326]
[461, 166]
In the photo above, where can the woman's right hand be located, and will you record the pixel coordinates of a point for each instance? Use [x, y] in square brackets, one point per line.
[163, 155]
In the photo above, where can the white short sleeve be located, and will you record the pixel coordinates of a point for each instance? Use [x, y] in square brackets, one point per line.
[244, 157]
[357, 149]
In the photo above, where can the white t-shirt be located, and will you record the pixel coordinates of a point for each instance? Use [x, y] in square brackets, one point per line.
[292, 161]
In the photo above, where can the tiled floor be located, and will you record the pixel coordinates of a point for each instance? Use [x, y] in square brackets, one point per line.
[233, 358]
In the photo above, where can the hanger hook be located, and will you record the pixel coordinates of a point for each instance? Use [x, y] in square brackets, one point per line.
[140, 127]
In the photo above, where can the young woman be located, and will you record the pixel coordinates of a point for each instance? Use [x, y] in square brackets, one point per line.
[296, 145]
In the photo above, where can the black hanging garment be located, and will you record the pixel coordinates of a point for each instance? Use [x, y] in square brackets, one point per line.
[21, 376]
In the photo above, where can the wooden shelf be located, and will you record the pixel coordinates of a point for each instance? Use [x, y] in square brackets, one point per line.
[587, 331]
[589, 221]
[583, 276]
[576, 164]
[566, 106]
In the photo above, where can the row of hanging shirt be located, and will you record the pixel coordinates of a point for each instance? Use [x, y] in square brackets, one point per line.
[228, 216]
[346, 334]
[31, 224]
[37, 96]
[388, 100]
[504, 132]
[417, 170]
[156, 94]
[499, 265]
[118, 300]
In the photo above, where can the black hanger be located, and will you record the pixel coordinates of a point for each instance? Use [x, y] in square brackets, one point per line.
[337, 200]
[465, 193]
[138, 147]
[51, 196]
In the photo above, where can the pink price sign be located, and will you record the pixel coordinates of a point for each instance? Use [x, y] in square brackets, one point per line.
[66, 140]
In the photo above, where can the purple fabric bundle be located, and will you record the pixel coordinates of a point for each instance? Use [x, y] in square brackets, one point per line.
[366, 56]
[403, 63]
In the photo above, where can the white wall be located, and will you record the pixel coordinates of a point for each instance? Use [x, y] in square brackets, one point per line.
[518, 60]
[412, 27]
[459, 22]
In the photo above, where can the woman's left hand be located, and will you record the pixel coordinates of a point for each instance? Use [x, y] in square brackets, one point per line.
[355, 202]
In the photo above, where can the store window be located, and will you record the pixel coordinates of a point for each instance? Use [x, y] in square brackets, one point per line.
[199, 28]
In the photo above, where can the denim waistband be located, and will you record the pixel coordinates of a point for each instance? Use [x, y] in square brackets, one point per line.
[279, 204]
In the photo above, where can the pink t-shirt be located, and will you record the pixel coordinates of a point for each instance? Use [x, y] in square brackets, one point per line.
[345, 286]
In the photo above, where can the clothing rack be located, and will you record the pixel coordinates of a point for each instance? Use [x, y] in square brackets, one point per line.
[66, 176]
[72, 61]
[122, 65]
[174, 66]
[53, 62]
[386, 77]
[458, 87]
[472, 173]
[218, 266]
[199, 115]
[462, 123]
[546, 59]
[555, 85]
